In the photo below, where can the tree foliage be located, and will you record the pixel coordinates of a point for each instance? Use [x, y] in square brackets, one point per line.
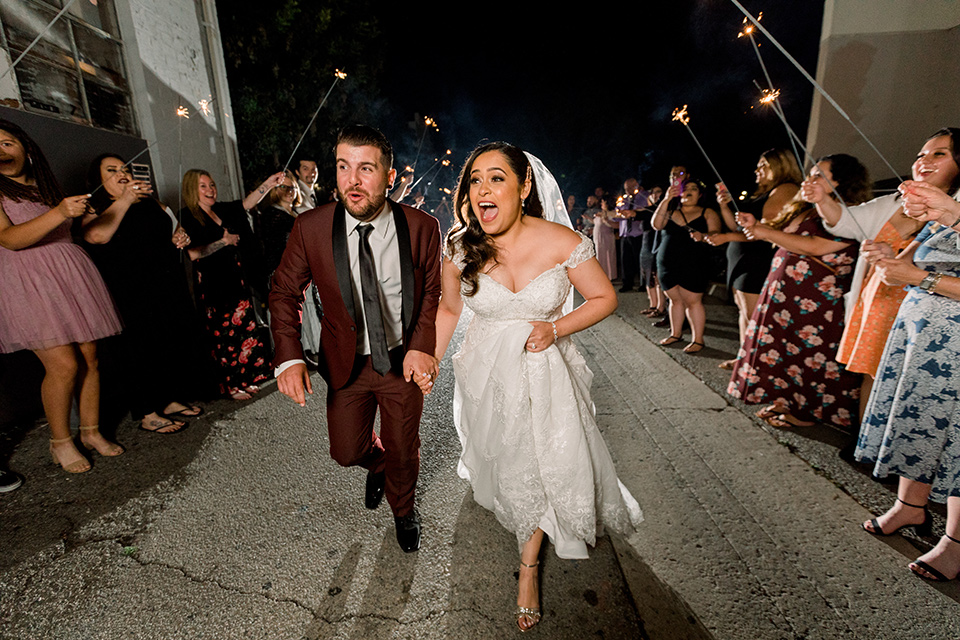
[280, 58]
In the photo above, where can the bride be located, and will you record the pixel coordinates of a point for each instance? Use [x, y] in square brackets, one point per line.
[531, 448]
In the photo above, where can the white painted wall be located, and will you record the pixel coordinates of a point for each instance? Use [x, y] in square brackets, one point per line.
[893, 66]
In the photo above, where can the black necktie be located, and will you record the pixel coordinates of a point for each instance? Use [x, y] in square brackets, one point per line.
[371, 304]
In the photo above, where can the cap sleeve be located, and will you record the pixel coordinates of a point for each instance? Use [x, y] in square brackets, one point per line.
[453, 251]
[583, 252]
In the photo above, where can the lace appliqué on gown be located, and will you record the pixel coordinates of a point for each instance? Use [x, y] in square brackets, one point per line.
[531, 447]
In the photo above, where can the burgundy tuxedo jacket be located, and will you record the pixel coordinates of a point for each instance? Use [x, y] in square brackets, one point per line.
[317, 250]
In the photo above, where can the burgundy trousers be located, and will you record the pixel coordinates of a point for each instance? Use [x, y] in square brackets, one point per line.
[396, 450]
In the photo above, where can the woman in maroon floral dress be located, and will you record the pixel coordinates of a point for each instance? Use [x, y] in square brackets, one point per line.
[223, 249]
[789, 355]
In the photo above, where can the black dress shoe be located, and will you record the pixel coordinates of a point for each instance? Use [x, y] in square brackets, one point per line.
[408, 531]
[374, 492]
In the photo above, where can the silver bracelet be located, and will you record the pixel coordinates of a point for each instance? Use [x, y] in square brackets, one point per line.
[555, 335]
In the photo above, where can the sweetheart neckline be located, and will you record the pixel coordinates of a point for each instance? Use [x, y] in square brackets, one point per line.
[521, 290]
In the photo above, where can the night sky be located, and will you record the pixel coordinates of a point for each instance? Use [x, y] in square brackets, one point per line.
[591, 90]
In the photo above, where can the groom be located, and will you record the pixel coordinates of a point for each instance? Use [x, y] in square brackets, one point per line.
[376, 265]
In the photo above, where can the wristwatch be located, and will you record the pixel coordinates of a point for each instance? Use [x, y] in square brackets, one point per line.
[930, 281]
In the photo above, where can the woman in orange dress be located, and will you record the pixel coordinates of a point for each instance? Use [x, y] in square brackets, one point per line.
[881, 226]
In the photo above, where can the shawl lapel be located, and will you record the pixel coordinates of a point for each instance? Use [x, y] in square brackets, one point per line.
[406, 264]
[341, 258]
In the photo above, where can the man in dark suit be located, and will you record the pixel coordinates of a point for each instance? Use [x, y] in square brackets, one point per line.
[376, 265]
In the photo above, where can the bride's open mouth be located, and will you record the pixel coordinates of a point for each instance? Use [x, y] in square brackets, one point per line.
[488, 211]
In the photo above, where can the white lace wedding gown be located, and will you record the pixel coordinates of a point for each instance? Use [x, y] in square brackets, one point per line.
[531, 447]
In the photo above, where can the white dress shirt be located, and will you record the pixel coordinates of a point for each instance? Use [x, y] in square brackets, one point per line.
[308, 197]
[386, 259]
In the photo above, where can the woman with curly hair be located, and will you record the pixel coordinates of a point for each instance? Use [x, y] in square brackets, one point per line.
[531, 447]
[789, 355]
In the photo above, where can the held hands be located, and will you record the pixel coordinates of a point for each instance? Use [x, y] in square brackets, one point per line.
[293, 381]
[876, 251]
[813, 190]
[924, 202]
[422, 368]
[899, 272]
[696, 236]
[716, 239]
[180, 238]
[72, 206]
[751, 227]
[540, 337]
[230, 238]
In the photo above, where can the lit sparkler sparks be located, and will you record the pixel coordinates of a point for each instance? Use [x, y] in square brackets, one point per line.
[682, 116]
[204, 106]
[183, 112]
[748, 27]
[769, 96]
[340, 75]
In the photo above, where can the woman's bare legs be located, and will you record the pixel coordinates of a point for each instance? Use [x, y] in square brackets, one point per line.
[865, 388]
[945, 557]
[909, 492]
[88, 400]
[61, 365]
[696, 314]
[528, 595]
[676, 311]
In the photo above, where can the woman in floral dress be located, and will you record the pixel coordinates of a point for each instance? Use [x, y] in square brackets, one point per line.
[221, 246]
[789, 355]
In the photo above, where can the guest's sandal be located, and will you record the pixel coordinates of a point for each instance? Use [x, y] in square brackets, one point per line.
[666, 342]
[155, 426]
[192, 411]
[925, 528]
[937, 576]
[107, 449]
[694, 347]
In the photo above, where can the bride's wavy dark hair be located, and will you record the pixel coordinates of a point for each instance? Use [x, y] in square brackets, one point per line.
[478, 247]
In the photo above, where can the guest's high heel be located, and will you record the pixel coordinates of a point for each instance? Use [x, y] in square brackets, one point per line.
[82, 465]
[937, 576]
[532, 613]
[108, 449]
[925, 528]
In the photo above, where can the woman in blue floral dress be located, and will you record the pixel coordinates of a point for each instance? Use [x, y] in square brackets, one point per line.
[912, 422]
[789, 354]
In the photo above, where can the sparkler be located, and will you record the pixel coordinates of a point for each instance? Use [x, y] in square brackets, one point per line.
[680, 115]
[768, 98]
[428, 122]
[773, 95]
[204, 106]
[820, 89]
[337, 77]
[442, 161]
[37, 39]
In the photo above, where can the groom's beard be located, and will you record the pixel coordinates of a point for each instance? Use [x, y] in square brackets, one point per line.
[366, 210]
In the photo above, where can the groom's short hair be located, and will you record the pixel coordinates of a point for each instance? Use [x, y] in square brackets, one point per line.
[361, 135]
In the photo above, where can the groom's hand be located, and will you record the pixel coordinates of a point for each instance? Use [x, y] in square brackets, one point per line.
[422, 368]
[292, 382]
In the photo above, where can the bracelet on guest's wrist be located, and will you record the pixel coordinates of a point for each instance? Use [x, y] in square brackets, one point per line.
[556, 336]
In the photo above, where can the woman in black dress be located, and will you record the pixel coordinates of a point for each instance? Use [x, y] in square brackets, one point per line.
[683, 261]
[134, 244]
[226, 266]
[276, 220]
[748, 262]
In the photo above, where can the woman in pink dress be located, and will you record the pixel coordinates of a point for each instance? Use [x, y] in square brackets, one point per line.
[54, 301]
[605, 239]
